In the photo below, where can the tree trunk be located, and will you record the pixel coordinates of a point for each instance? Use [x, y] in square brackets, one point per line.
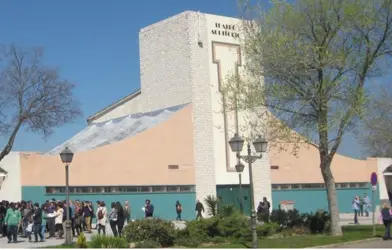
[325, 165]
[7, 149]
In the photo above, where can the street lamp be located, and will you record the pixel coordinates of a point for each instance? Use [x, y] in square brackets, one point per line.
[66, 157]
[239, 168]
[236, 144]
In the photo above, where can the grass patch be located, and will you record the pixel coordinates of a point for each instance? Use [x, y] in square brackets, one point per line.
[350, 233]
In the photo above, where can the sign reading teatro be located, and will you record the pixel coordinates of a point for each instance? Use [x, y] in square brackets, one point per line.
[221, 29]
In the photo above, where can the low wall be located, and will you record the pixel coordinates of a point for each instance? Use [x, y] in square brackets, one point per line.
[310, 200]
[164, 203]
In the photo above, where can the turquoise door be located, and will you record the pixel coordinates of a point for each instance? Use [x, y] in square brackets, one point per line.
[232, 194]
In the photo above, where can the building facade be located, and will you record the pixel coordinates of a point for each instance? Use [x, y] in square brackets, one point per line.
[168, 141]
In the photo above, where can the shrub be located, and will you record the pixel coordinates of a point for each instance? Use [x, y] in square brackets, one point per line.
[229, 226]
[82, 241]
[227, 210]
[212, 205]
[204, 229]
[157, 230]
[318, 222]
[147, 244]
[188, 242]
[267, 229]
[101, 241]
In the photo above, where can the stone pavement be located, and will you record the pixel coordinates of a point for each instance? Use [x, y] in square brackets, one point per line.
[376, 243]
[24, 243]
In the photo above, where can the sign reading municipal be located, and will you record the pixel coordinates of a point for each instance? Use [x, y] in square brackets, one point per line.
[373, 179]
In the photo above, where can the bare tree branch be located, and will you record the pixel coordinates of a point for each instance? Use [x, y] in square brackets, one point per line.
[32, 96]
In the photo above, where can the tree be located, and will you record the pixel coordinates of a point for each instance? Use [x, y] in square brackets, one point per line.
[376, 137]
[308, 63]
[32, 96]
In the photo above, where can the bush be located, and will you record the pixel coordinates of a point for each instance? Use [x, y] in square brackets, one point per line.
[267, 229]
[147, 244]
[156, 230]
[99, 241]
[82, 241]
[188, 242]
[204, 229]
[318, 222]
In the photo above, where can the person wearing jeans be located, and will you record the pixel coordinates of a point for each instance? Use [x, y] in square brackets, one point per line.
[12, 220]
[43, 224]
[101, 218]
[355, 207]
[113, 219]
[386, 219]
[37, 217]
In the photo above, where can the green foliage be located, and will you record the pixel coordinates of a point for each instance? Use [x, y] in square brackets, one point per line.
[212, 205]
[157, 230]
[101, 241]
[203, 229]
[82, 241]
[319, 222]
[288, 219]
[227, 210]
[147, 244]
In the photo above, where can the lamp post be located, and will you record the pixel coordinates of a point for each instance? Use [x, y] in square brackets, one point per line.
[66, 157]
[239, 168]
[260, 145]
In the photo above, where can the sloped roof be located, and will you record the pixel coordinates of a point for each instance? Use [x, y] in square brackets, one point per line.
[113, 106]
[107, 132]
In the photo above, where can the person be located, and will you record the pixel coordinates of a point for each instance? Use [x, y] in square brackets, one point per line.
[199, 209]
[149, 209]
[59, 214]
[355, 206]
[44, 221]
[87, 214]
[361, 205]
[3, 211]
[386, 219]
[113, 219]
[51, 214]
[127, 211]
[101, 218]
[13, 218]
[37, 222]
[120, 218]
[29, 229]
[78, 218]
[366, 204]
[178, 210]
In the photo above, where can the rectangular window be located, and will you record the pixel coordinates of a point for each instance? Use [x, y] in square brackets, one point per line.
[284, 186]
[353, 185]
[145, 189]
[343, 185]
[97, 190]
[275, 186]
[173, 189]
[187, 189]
[295, 186]
[362, 184]
[158, 189]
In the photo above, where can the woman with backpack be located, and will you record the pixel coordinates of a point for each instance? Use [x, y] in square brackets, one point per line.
[101, 218]
[386, 219]
[178, 210]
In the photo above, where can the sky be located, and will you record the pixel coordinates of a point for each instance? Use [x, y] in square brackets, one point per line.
[94, 44]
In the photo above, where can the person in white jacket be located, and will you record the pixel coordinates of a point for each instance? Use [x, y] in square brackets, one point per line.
[101, 218]
[59, 214]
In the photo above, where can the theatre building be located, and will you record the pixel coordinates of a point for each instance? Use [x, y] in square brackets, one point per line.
[168, 141]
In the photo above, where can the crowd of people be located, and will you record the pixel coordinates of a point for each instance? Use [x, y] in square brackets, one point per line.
[31, 220]
[361, 205]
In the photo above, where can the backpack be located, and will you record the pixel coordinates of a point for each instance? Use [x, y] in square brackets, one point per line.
[385, 214]
[179, 208]
[100, 214]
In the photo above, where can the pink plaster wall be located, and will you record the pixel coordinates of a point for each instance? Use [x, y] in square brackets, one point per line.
[139, 160]
[304, 168]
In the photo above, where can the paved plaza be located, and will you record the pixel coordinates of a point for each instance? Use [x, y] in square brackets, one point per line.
[377, 243]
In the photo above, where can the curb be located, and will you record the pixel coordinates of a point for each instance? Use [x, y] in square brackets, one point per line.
[335, 245]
